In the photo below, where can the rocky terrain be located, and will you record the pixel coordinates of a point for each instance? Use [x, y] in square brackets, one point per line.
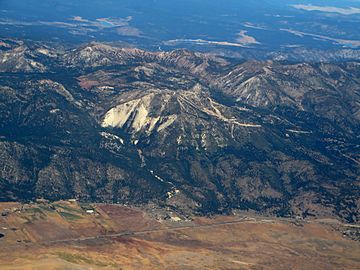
[194, 132]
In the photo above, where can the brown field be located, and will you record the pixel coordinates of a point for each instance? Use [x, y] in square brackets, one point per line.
[63, 236]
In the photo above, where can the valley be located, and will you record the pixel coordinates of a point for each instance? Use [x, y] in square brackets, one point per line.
[67, 235]
[179, 135]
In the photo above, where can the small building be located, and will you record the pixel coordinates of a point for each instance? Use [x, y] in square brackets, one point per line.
[90, 211]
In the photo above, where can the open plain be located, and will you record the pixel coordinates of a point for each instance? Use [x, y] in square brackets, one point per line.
[73, 235]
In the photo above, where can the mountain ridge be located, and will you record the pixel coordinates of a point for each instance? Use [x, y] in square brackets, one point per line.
[191, 131]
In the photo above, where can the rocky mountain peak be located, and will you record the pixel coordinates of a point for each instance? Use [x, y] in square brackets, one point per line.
[126, 125]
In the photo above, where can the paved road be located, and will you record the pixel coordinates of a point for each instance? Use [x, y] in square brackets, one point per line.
[135, 233]
[143, 232]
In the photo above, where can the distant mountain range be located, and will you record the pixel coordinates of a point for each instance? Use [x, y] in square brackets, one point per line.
[191, 131]
[255, 29]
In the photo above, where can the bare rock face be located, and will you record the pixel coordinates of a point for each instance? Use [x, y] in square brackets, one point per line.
[186, 130]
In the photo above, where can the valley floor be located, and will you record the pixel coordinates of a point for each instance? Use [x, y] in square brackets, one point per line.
[72, 235]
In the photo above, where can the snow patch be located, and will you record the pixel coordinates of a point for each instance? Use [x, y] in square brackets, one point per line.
[112, 137]
[106, 87]
[203, 141]
[299, 131]
[54, 110]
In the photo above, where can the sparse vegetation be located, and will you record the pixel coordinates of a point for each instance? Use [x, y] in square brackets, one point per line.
[70, 216]
[128, 238]
[81, 259]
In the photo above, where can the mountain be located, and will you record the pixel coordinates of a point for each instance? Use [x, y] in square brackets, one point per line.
[194, 132]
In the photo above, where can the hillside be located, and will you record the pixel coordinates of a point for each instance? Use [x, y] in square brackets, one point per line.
[195, 132]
